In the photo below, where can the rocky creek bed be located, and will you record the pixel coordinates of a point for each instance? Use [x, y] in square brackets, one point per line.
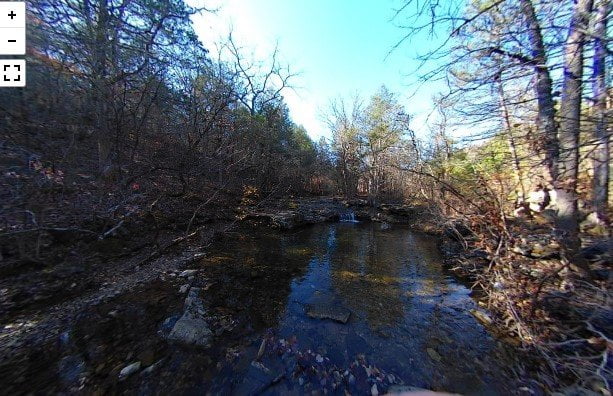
[331, 307]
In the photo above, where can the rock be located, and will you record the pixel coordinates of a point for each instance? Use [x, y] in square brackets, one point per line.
[328, 311]
[183, 289]
[129, 370]
[374, 391]
[188, 273]
[434, 355]
[481, 316]
[191, 328]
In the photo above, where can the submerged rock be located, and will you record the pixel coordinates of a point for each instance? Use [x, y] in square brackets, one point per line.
[328, 311]
[434, 355]
[258, 379]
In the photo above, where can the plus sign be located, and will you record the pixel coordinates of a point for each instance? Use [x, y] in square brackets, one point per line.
[12, 14]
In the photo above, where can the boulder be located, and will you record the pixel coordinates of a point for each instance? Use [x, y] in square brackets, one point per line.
[192, 328]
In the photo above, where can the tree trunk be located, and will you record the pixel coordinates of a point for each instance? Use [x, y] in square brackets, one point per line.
[565, 184]
[519, 179]
[100, 89]
[544, 92]
[601, 156]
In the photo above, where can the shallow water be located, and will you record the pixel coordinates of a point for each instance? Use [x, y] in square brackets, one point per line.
[408, 317]
[407, 323]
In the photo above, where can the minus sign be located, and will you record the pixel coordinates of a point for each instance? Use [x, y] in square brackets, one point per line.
[12, 41]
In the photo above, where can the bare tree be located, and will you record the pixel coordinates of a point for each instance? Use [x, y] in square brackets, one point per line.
[601, 157]
[565, 182]
[258, 84]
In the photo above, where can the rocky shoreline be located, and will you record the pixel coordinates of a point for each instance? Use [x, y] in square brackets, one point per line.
[295, 213]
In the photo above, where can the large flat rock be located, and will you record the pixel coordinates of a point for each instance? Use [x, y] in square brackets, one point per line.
[328, 311]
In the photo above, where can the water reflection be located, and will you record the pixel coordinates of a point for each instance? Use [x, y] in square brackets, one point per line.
[407, 316]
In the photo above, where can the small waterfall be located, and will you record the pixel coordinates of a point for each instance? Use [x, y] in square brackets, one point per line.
[348, 217]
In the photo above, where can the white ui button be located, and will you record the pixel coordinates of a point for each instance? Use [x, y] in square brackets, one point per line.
[12, 73]
[12, 28]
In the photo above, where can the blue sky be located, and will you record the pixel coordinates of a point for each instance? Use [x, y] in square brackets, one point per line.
[340, 47]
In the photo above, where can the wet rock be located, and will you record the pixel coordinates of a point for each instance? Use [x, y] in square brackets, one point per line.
[328, 311]
[192, 328]
[183, 289]
[129, 370]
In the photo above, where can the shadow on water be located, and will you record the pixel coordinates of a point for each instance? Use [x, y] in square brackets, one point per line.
[407, 316]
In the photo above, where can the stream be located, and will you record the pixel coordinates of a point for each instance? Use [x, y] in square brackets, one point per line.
[404, 315]
[363, 308]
